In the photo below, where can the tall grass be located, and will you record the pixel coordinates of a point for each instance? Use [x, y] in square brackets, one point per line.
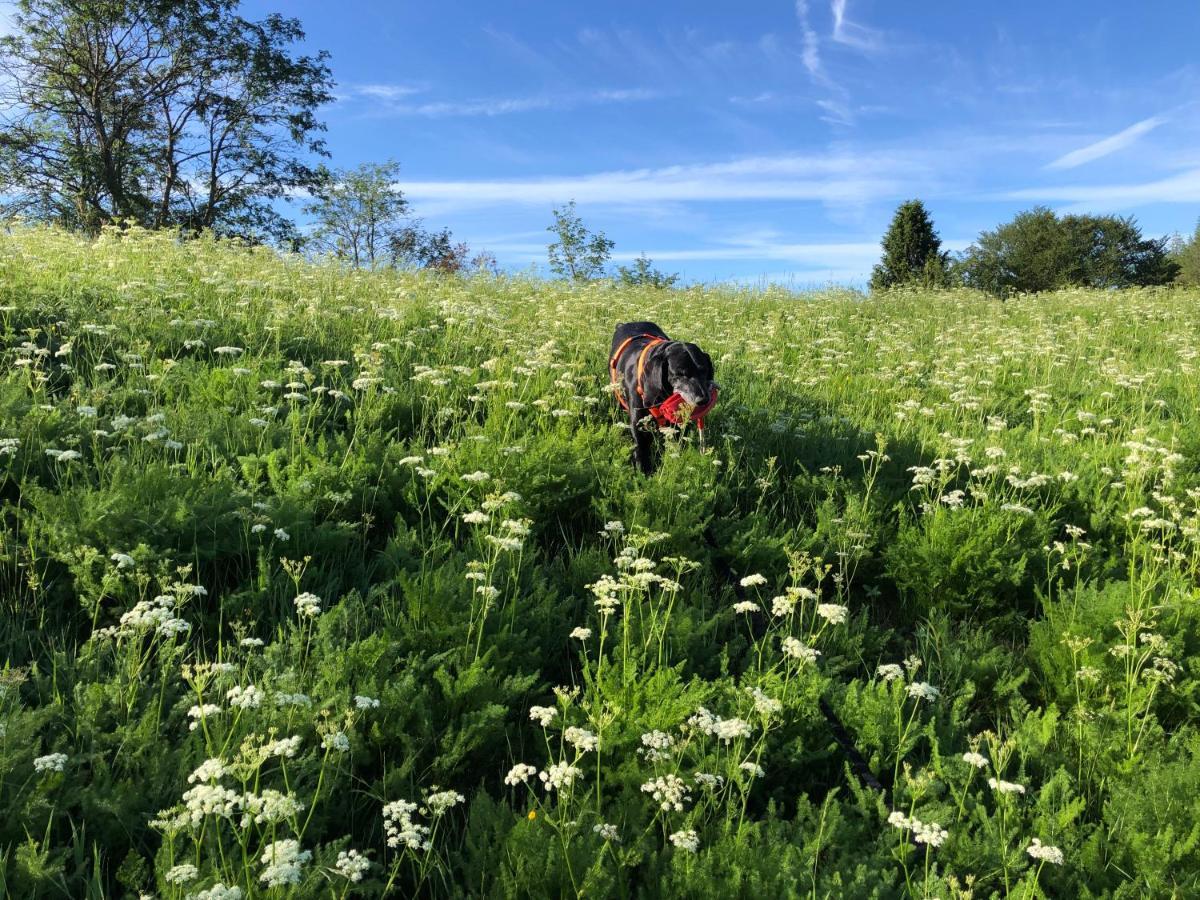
[329, 583]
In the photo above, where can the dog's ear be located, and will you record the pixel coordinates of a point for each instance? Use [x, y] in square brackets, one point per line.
[655, 381]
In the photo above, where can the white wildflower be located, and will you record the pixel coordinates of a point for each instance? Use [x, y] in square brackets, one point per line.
[519, 774]
[560, 775]
[1044, 852]
[352, 865]
[668, 791]
[1005, 787]
[308, 605]
[581, 739]
[833, 613]
[51, 762]
[283, 860]
[686, 840]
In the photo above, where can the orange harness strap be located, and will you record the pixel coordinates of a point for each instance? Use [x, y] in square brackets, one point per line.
[641, 365]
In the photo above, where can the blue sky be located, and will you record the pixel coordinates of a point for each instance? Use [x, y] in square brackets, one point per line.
[765, 139]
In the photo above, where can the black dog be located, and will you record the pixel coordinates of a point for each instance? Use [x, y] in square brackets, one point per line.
[649, 368]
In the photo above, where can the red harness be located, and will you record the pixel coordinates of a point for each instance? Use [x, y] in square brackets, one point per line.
[668, 412]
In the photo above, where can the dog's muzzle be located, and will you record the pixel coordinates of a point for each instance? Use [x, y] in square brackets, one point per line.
[669, 412]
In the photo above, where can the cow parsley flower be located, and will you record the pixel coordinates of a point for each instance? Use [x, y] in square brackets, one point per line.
[209, 770]
[362, 702]
[560, 775]
[400, 829]
[746, 606]
[51, 762]
[890, 671]
[284, 747]
[978, 760]
[283, 860]
[729, 730]
[441, 802]
[337, 740]
[352, 865]
[607, 832]
[668, 791]
[308, 605]
[582, 739]
[269, 808]
[763, 704]
[581, 634]
[797, 650]
[543, 715]
[248, 697]
[686, 840]
[1005, 787]
[201, 712]
[476, 517]
[210, 800]
[218, 892]
[833, 613]
[1044, 852]
[519, 774]
[182, 874]
[656, 745]
[929, 833]
[753, 581]
[922, 690]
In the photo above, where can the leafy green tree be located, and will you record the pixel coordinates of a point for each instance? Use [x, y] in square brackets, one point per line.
[359, 212]
[912, 251]
[1186, 255]
[1040, 251]
[413, 246]
[167, 113]
[642, 272]
[577, 254]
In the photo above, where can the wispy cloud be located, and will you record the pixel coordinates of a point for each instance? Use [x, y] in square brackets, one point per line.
[844, 179]
[836, 102]
[1108, 145]
[810, 53]
[1181, 188]
[385, 91]
[392, 100]
[851, 33]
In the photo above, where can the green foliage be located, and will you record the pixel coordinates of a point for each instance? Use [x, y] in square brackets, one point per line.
[358, 214]
[314, 573]
[168, 115]
[912, 252]
[577, 254]
[1040, 251]
[642, 272]
[1186, 254]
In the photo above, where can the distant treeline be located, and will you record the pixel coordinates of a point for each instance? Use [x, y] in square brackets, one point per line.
[1036, 251]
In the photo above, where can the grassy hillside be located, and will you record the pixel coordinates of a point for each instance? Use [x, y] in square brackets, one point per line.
[317, 583]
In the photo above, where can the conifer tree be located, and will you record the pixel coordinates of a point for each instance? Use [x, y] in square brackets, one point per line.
[912, 251]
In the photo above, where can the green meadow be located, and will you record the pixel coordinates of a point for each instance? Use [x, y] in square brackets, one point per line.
[330, 583]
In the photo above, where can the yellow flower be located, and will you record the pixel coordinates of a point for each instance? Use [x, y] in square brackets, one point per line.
[532, 815]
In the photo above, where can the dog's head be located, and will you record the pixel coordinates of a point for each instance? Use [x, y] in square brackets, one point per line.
[689, 372]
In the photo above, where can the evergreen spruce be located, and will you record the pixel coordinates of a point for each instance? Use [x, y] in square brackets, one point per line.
[912, 251]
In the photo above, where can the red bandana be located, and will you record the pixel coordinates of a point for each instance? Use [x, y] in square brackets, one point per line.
[669, 413]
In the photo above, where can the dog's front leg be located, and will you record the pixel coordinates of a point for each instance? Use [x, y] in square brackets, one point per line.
[643, 440]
